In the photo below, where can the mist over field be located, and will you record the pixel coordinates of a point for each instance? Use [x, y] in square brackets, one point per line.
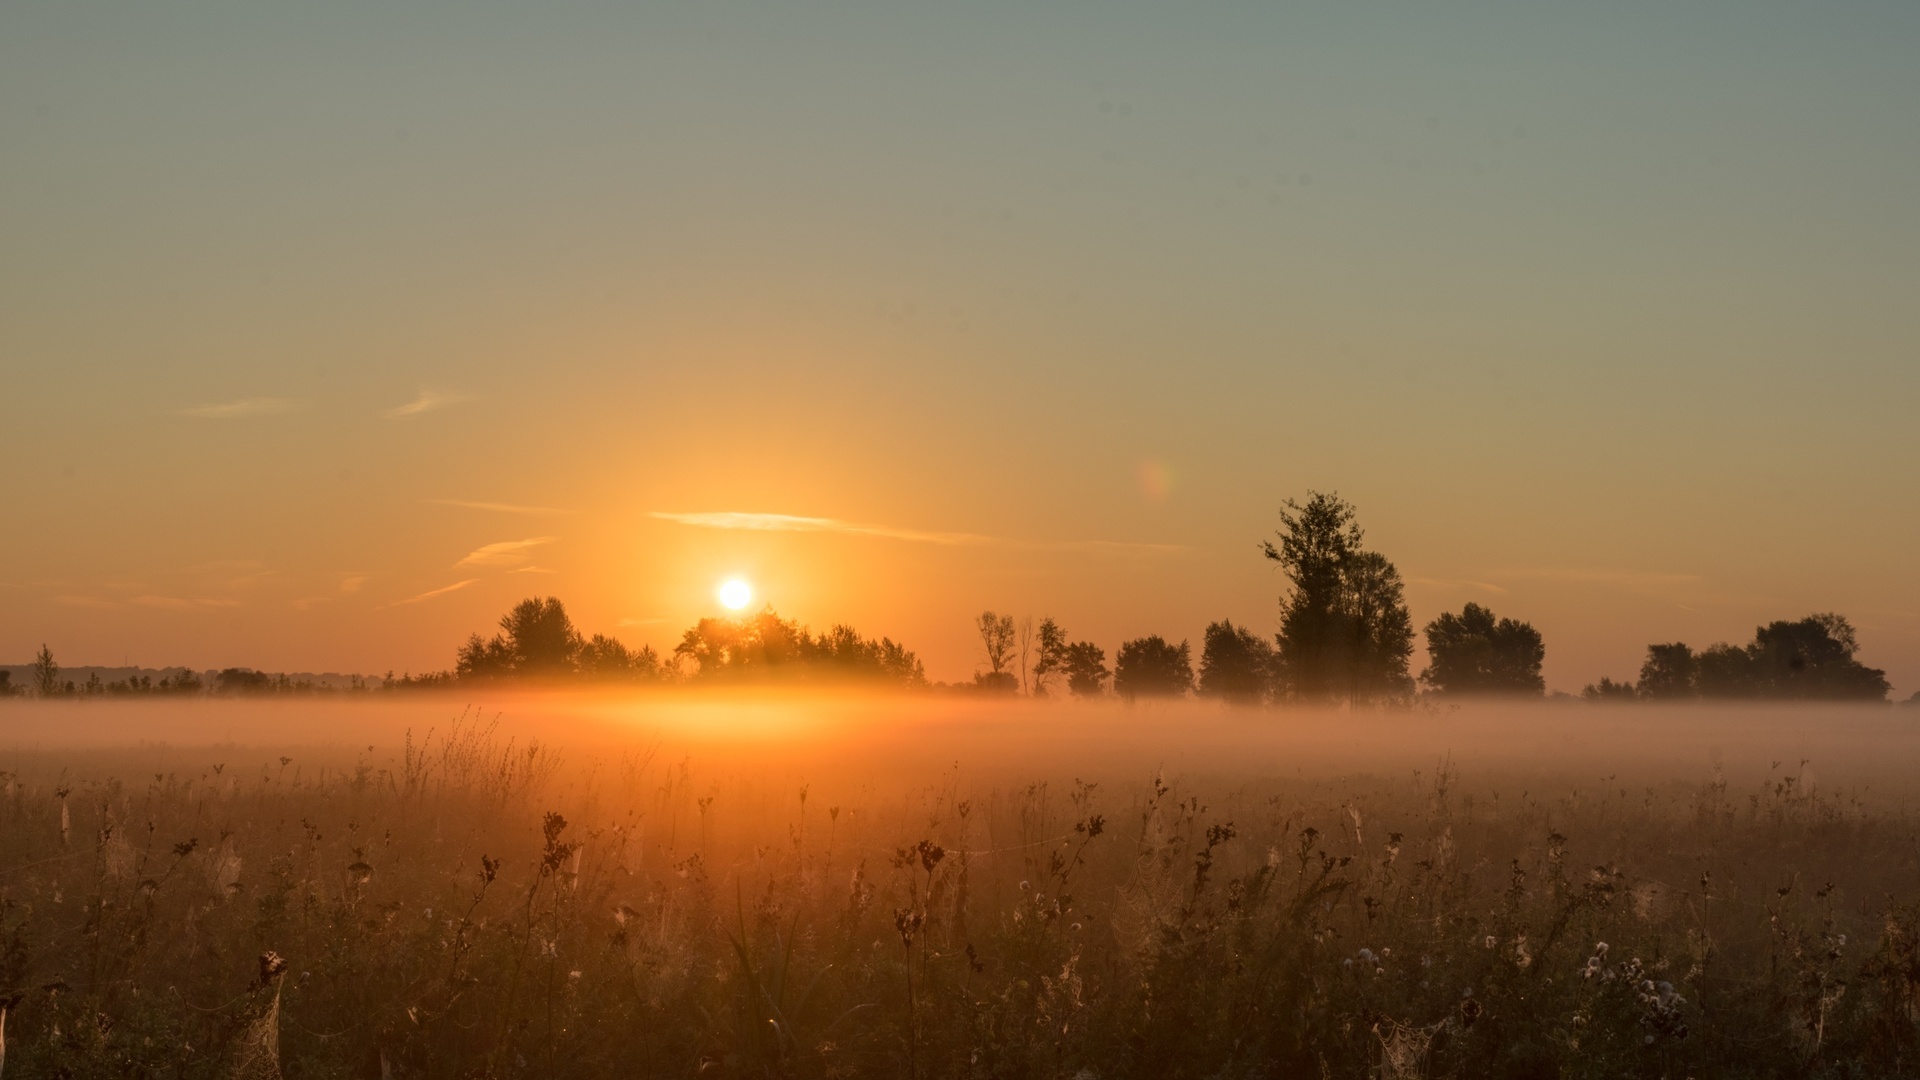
[888, 741]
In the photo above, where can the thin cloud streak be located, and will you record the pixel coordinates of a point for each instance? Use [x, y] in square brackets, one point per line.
[498, 508]
[228, 410]
[503, 553]
[181, 603]
[733, 519]
[431, 593]
[1452, 583]
[428, 401]
[1604, 576]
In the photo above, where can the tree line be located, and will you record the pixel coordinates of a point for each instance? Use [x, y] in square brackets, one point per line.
[1345, 636]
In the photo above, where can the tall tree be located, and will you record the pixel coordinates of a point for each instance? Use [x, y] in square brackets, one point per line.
[1345, 633]
[1085, 665]
[1050, 655]
[46, 673]
[1475, 653]
[1152, 667]
[996, 642]
[1236, 664]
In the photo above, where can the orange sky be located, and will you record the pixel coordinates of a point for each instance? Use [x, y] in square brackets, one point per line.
[329, 334]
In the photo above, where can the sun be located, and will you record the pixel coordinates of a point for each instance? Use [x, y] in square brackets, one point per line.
[736, 593]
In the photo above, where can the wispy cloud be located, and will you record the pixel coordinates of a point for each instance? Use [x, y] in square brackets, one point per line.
[431, 593]
[533, 570]
[498, 508]
[228, 410]
[428, 401]
[732, 519]
[72, 600]
[1603, 576]
[182, 603]
[1452, 583]
[503, 553]
[352, 583]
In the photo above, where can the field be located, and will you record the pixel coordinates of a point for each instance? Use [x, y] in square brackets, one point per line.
[917, 887]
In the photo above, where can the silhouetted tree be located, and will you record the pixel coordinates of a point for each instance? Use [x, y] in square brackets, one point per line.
[46, 673]
[1345, 632]
[1814, 659]
[1607, 691]
[1475, 653]
[1669, 673]
[767, 646]
[1085, 665]
[1152, 667]
[1807, 659]
[1725, 671]
[1050, 655]
[607, 660]
[1236, 664]
[996, 640]
[542, 637]
[7, 689]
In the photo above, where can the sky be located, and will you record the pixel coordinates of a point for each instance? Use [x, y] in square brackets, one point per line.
[327, 332]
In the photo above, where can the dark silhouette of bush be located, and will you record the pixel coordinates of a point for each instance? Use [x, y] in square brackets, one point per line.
[1475, 653]
[1345, 633]
[1236, 664]
[1152, 667]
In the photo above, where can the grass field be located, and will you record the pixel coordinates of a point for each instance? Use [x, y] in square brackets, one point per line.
[914, 887]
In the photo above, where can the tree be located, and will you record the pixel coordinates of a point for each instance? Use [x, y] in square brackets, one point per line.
[996, 640]
[1806, 659]
[1236, 664]
[1051, 655]
[1725, 671]
[1085, 665]
[1669, 673]
[1475, 653]
[1345, 633]
[46, 673]
[542, 637]
[1814, 659]
[605, 659]
[1152, 667]
[7, 689]
[767, 646]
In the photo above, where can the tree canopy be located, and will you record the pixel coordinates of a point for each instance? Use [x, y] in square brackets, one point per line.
[1475, 653]
[1152, 667]
[1236, 664]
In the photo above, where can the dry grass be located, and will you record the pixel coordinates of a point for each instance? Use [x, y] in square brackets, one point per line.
[959, 892]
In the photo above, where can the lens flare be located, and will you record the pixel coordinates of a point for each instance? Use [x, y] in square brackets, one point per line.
[735, 593]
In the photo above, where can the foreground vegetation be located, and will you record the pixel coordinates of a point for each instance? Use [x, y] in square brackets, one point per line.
[471, 907]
